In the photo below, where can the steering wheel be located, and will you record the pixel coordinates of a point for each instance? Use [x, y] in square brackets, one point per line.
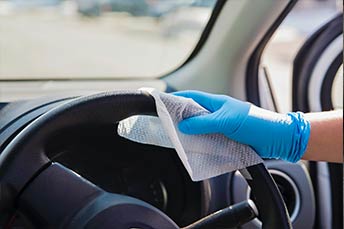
[54, 196]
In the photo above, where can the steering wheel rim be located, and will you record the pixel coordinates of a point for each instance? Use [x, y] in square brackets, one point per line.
[24, 160]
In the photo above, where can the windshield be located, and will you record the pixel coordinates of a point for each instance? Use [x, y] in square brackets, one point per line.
[62, 39]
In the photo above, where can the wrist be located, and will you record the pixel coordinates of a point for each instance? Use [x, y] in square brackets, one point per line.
[301, 129]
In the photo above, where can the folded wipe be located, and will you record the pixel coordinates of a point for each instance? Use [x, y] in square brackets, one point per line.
[204, 156]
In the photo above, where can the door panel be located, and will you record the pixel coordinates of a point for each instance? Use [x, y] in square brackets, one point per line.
[317, 75]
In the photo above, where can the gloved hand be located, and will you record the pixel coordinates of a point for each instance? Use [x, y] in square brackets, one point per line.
[270, 134]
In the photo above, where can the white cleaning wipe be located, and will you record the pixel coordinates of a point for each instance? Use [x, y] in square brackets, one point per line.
[204, 156]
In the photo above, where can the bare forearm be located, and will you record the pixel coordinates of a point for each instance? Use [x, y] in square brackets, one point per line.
[326, 138]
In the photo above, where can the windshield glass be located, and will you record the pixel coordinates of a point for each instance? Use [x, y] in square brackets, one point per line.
[60, 39]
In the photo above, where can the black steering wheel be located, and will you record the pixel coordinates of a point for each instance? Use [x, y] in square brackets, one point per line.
[55, 196]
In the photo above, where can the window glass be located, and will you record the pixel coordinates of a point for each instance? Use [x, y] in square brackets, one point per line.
[98, 38]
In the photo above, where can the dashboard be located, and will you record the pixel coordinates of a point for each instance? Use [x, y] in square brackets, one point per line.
[150, 173]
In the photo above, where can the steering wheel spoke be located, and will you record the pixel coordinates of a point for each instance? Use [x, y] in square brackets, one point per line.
[55, 195]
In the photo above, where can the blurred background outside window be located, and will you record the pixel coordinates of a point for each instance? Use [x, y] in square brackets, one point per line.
[98, 38]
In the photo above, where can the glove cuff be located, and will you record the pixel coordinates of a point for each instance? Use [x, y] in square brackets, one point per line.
[302, 130]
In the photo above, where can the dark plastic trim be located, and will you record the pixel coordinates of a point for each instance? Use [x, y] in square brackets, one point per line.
[13, 127]
[336, 179]
[207, 30]
[335, 169]
[204, 37]
[327, 86]
[93, 215]
[304, 63]
[2, 105]
[252, 70]
[275, 214]
[307, 57]
[35, 106]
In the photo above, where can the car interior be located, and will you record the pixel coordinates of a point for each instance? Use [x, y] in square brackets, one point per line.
[63, 165]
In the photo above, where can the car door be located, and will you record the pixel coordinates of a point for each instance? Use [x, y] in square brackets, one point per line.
[318, 86]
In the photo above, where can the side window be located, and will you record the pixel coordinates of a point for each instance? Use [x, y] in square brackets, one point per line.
[280, 52]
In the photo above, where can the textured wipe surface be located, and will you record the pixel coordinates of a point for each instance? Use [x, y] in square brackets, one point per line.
[204, 156]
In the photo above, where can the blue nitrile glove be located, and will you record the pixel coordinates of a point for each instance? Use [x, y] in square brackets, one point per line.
[270, 134]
